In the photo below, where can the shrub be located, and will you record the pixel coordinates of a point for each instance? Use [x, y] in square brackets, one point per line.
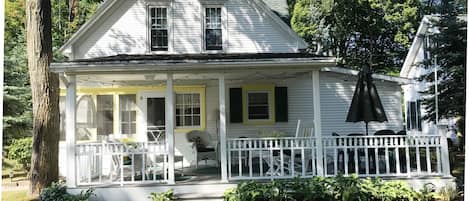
[164, 196]
[58, 192]
[319, 188]
[20, 150]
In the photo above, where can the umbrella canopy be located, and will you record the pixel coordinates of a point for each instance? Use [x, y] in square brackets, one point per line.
[366, 105]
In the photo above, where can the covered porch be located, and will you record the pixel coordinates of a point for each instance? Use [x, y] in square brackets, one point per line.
[148, 124]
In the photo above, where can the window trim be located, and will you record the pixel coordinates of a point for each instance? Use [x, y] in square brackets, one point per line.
[200, 111]
[169, 22]
[267, 88]
[224, 33]
[117, 104]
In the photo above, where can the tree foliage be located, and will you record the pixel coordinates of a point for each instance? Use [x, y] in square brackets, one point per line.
[448, 49]
[359, 32]
[17, 93]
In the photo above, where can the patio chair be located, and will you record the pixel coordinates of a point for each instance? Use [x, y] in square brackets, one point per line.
[202, 147]
[304, 129]
[382, 153]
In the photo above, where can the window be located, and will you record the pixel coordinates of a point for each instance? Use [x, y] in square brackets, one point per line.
[414, 119]
[128, 114]
[85, 112]
[105, 114]
[188, 110]
[213, 33]
[258, 106]
[159, 28]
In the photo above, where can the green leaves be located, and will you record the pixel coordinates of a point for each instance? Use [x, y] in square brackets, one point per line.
[324, 189]
[359, 32]
[20, 150]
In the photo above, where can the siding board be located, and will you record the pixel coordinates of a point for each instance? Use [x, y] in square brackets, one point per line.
[124, 30]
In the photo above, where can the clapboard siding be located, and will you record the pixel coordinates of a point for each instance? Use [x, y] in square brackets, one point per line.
[249, 30]
[336, 95]
[300, 106]
[123, 30]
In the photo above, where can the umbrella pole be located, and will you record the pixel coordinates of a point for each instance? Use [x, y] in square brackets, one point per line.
[366, 126]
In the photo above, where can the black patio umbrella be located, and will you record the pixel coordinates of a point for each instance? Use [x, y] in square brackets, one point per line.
[366, 105]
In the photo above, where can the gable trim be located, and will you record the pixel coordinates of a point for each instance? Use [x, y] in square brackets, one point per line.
[103, 8]
[261, 5]
[414, 48]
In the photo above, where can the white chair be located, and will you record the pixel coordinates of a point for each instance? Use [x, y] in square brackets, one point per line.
[305, 129]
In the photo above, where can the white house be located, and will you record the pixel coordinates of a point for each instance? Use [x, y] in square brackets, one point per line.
[413, 69]
[152, 86]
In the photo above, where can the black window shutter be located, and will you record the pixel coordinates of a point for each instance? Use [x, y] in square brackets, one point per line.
[236, 105]
[281, 104]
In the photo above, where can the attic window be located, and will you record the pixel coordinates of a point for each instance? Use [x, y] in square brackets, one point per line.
[213, 33]
[159, 28]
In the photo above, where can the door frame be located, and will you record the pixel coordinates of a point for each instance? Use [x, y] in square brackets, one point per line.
[142, 117]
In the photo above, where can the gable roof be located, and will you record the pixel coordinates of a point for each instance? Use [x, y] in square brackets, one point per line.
[275, 9]
[424, 28]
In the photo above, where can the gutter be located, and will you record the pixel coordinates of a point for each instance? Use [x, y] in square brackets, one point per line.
[128, 67]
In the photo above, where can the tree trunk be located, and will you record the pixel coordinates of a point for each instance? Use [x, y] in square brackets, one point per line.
[44, 88]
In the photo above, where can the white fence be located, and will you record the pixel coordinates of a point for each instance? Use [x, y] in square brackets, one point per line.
[383, 156]
[121, 163]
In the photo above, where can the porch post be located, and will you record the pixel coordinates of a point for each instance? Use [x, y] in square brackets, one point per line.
[221, 91]
[441, 129]
[317, 122]
[170, 126]
[70, 130]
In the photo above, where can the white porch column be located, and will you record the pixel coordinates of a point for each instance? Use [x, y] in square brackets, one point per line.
[170, 126]
[222, 96]
[317, 122]
[444, 150]
[70, 130]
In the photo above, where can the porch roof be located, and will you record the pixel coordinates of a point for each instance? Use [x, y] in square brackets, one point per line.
[188, 62]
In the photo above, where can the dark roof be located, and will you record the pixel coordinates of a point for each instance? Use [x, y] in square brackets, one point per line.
[200, 57]
[279, 7]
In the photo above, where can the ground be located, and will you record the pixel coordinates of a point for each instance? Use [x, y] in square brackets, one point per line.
[14, 189]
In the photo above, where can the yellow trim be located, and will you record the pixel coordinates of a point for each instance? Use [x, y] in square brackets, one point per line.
[259, 87]
[116, 91]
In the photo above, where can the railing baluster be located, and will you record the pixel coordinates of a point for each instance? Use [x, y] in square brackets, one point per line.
[398, 161]
[250, 157]
[346, 156]
[427, 147]
[417, 153]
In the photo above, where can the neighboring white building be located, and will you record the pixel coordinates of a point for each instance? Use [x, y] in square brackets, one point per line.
[232, 70]
[413, 69]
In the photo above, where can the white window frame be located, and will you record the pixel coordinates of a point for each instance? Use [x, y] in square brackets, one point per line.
[182, 116]
[119, 110]
[224, 33]
[169, 24]
[269, 104]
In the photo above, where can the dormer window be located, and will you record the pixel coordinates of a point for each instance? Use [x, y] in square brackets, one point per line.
[213, 31]
[159, 28]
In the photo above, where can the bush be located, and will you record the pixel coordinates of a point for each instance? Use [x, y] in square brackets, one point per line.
[20, 150]
[319, 188]
[58, 192]
[164, 196]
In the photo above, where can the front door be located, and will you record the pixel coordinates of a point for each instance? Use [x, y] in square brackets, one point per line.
[152, 105]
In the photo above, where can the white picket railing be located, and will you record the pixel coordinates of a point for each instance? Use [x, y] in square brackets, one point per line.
[266, 158]
[121, 163]
[383, 156]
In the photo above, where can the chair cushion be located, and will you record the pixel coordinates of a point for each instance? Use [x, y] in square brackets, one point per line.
[205, 149]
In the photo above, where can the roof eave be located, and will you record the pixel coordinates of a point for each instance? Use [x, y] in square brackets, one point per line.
[399, 80]
[133, 66]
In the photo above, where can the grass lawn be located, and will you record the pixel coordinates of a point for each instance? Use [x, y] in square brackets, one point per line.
[16, 196]
[11, 166]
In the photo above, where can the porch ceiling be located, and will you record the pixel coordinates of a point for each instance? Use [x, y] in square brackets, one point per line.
[145, 79]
